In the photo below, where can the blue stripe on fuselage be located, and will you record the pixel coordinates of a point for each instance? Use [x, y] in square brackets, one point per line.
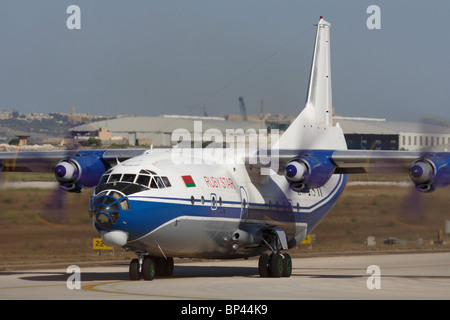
[148, 213]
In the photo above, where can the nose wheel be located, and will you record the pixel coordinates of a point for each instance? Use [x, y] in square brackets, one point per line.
[276, 265]
[149, 267]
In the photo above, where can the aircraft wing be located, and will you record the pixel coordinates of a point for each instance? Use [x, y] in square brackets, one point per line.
[307, 169]
[74, 169]
[46, 161]
[373, 161]
[345, 161]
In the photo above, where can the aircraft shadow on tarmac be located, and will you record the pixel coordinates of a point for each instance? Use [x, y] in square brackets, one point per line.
[62, 276]
[181, 271]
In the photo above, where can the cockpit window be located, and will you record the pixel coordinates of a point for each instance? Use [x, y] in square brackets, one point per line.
[129, 183]
[124, 205]
[103, 179]
[143, 180]
[166, 181]
[153, 184]
[115, 177]
[128, 178]
[159, 182]
[148, 172]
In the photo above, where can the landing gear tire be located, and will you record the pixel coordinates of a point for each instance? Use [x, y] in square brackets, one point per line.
[263, 266]
[168, 267]
[159, 266]
[164, 267]
[148, 269]
[276, 265]
[287, 266]
[134, 270]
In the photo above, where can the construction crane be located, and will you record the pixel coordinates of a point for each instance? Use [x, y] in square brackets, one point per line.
[242, 108]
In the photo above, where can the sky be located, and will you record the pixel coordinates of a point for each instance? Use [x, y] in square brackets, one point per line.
[157, 57]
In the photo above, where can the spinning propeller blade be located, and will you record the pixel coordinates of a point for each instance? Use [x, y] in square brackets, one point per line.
[413, 211]
[54, 211]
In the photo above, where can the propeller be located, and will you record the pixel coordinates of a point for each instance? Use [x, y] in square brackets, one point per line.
[413, 209]
[52, 210]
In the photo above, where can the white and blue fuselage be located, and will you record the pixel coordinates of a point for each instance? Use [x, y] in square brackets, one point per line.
[203, 210]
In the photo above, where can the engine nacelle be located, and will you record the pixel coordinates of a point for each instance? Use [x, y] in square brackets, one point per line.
[430, 172]
[75, 173]
[308, 171]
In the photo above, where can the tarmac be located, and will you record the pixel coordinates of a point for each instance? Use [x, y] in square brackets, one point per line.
[361, 277]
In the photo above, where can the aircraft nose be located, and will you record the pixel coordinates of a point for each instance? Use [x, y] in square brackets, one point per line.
[105, 209]
[115, 238]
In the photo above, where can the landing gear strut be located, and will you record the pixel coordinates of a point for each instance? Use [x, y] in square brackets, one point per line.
[275, 265]
[149, 267]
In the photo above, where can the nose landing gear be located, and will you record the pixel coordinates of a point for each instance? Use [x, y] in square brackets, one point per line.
[149, 267]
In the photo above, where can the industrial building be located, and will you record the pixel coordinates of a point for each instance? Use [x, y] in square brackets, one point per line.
[360, 133]
[381, 134]
[157, 131]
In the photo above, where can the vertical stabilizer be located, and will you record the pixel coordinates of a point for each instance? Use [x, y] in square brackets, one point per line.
[313, 128]
[319, 97]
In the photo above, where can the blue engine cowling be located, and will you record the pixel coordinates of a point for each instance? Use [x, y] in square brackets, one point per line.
[429, 172]
[309, 171]
[77, 172]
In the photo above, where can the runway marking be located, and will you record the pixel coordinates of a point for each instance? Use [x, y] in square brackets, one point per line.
[36, 286]
[92, 287]
[424, 277]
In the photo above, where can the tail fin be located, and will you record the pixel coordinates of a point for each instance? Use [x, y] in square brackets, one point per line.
[313, 128]
[319, 98]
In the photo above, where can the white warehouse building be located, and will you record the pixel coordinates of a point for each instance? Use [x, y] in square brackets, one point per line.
[360, 133]
[397, 135]
[158, 131]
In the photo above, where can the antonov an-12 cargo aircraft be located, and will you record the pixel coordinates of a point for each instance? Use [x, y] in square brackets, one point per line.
[168, 203]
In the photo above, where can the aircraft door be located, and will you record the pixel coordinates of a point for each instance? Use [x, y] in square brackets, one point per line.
[213, 201]
[244, 204]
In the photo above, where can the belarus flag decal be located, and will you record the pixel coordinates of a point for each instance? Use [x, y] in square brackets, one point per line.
[188, 181]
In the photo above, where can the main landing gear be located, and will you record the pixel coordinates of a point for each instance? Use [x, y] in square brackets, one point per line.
[149, 267]
[276, 265]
